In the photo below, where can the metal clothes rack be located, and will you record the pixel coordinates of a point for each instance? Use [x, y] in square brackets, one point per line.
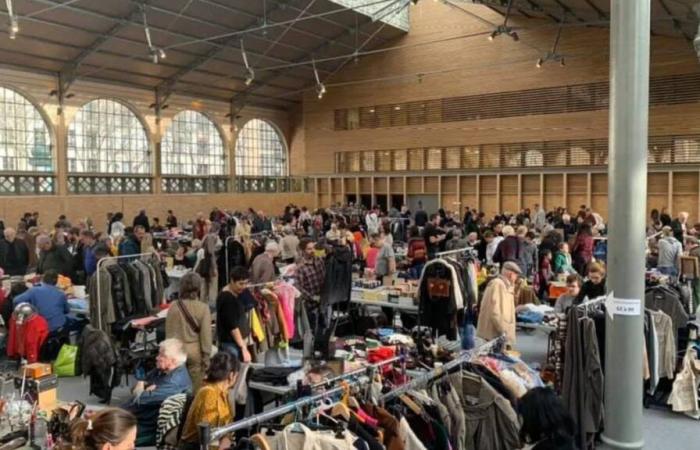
[207, 435]
[439, 371]
[594, 301]
[101, 263]
[451, 252]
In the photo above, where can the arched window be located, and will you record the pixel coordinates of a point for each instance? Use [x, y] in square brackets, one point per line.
[106, 137]
[25, 141]
[192, 146]
[260, 151]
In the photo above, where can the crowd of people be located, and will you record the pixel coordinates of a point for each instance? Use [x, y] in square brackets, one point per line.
[533, 245]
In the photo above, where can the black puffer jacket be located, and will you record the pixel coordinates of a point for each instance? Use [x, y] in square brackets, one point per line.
[98, 360]
[337, 284]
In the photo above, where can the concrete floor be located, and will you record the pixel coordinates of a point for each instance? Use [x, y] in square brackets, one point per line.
[663, 429]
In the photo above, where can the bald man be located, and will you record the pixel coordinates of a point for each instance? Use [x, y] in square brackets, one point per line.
[14, 254]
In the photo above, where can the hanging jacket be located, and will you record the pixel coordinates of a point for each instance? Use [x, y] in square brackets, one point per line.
[338, 280]
[98, 361]
[25, 340]
[438, 312]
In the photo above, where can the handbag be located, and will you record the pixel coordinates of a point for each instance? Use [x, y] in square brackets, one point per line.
[67, 361]
[188, 317]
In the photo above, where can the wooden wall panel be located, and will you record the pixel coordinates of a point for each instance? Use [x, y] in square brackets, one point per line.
[576, 190]
[468, 184]
[554, 191]
[350, 185]
[469, 200]
[685, 194]
[488, 189]
[380, 185]
[450, 203]
[599, 193]
[414, 185]
[509, 193]
[449, 185]
[365, 185]
[396, 185]
[431, 185]
[337, 185]
[323, 186]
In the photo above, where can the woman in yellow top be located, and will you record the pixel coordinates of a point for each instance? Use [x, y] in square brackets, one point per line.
[211, 403]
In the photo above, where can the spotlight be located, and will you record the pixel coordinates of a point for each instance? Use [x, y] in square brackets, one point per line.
[250, 73]
[161, 53]
[539, 63]
[320, 90]
[14, 25]
[250, 76]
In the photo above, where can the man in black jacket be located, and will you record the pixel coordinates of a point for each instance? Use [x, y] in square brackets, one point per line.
[142, 219]
[14, 254]
[53, 257]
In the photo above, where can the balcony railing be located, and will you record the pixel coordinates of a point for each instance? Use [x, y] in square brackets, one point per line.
[27, 184]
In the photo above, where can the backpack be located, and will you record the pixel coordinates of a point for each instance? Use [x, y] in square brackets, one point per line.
[420, 250]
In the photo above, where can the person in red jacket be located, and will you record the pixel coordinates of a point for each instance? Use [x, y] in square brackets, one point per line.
[25, 339]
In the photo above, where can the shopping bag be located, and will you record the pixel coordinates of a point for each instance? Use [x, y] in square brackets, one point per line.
[65, 364]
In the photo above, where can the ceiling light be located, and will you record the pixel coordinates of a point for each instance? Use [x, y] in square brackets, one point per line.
[250, 73]
[320, 87]
[397, 108]
[161, 53]
[157, 53]
[14, 24]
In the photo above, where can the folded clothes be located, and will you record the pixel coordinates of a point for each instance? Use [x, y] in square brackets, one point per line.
[276, 376]
[529, 317]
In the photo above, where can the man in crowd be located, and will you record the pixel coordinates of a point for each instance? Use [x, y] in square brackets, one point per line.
[233, 306]
[311, 269]
[142, 220]
[680, 227]
[89, 260]
[14, 254]
[170, 377]
[170, 220]
[263, 269]
[131, 245]
[670, 252]
[540, 217]
[566, 300]
[421, 217]
[497, 312]
[53, 256]
[49, 301]
[434, 236]
[290, 245]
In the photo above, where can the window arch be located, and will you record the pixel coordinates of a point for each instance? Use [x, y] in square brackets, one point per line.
[25, 140]
[107, 137]
[260, 150]
[192, 145]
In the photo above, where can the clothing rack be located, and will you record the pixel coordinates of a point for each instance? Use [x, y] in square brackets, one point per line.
[439, 371]
[100, 263]
[594, 301]
[451, 252]
[207, 435]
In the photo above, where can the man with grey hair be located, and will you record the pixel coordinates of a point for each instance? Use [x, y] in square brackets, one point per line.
[53, 256]
[14, 254]
[263, 269]
[170, 377]
[497, 312]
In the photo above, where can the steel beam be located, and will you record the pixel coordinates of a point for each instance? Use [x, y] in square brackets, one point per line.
[676, 23]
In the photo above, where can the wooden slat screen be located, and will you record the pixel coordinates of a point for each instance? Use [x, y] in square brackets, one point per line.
[682, 149]
[509, 184]
[431, 185]
[576, 183]
[531, 184]
[667, 90]
[685, 183]
[488, 184]
[599, 183]
[468, 185]
[657, 184]
[449, 185]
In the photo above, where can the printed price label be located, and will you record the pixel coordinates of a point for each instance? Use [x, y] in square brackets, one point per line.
[626, 307]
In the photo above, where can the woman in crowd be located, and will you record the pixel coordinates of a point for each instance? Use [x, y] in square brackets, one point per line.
[582, 250]
[595, 285]
[108, 429]
[211, 403]
[545, 273]
[546, 424]
[417, 252]
[189, 320]
[206, 267]
[116, 227]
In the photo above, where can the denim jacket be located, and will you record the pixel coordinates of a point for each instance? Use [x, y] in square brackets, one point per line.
[176, 382]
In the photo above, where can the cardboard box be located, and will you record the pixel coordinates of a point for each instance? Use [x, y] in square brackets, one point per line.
[37, 370]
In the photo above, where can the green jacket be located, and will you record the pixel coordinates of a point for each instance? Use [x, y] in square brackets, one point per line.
[562, 263]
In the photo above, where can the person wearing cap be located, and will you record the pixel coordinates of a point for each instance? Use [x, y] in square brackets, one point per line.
[263, 269]
[670, 251]
[497, 312]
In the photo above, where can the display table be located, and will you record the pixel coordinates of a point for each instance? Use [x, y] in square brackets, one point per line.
[175, 275]
[379, 298]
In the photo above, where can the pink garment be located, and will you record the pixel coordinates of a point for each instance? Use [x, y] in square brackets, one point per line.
[371, 421]
[286, 294]
[371, 258]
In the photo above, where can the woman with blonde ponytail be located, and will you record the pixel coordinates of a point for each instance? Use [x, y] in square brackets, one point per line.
[108, 429]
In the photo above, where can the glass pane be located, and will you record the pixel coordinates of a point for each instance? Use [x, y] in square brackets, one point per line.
[107, 137]
[192, 145]
[25, 142]
[260, 150]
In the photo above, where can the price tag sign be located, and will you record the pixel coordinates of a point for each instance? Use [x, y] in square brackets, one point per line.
[626, 306]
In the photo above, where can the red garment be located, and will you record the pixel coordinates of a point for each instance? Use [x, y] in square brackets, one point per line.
[26, 340]
[380, 354]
